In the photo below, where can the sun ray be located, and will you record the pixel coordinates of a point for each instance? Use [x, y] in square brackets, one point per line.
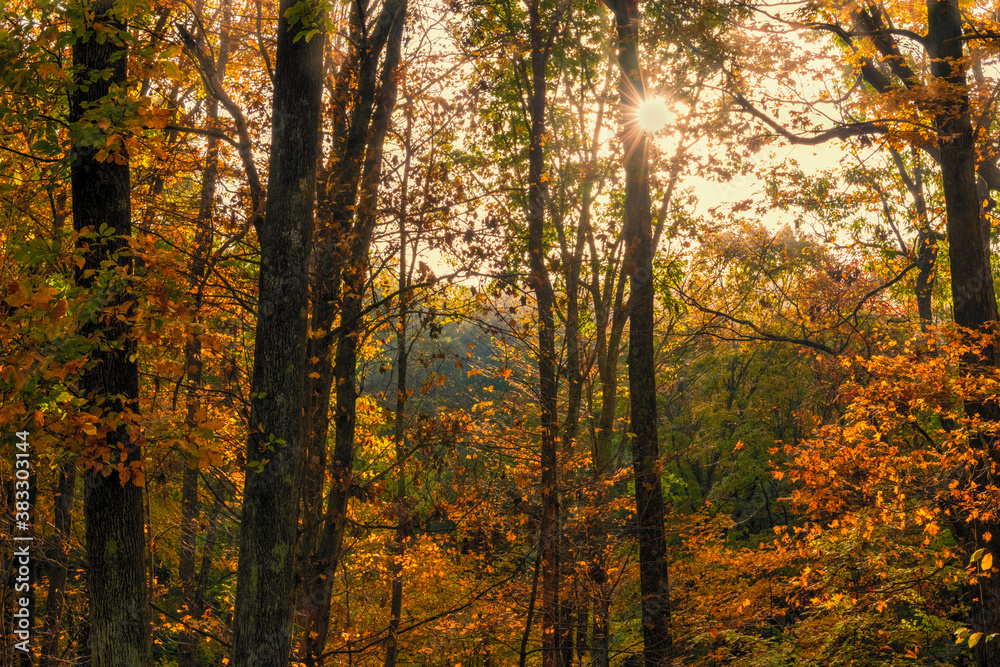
[653, 115]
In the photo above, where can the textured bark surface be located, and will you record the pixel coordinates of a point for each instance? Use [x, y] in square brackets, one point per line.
[343, 261]
[544, 297]
[262, 625]
[972, 290]
[204, 236]
[971, 278]
[113, 511]
[639, 251]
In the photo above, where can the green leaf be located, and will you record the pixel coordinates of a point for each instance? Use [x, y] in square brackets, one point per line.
[977, 555]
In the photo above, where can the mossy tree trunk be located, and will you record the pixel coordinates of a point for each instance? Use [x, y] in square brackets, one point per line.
[262, 625]
[102, 214]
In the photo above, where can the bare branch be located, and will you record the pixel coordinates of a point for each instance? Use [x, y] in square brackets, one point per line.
[218, 134]
[844, 131]
[214, 87]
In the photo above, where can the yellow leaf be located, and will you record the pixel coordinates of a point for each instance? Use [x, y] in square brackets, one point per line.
[987, 562]
[16, 297]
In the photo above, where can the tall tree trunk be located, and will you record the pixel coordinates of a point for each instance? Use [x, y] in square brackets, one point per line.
[262, 628]
[639, 252]
[350, 278]
[187, 641]
[608, 296]
[927, 249]
[113, 507]
[545, 299]
[402, 520]
[207, 552]
[567, 626]
[571, 262]
[523, 659]
[399, 427]
[611, 320]
[926, 244]
[602, 626]
[973, 296]
[972, 278]
[193, 363]
[59, 558]
[325, 307]
[582, 623]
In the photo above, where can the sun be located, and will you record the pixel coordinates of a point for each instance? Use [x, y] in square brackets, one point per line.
[653, 114]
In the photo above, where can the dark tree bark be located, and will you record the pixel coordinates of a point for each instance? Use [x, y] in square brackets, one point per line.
[207, 554]
[607, 289]
[539, 281]
[262, 626]
[189, 526]
[545, 298]
[582, 625]
[343, 265]
[571, 262]
[638, 238]
[567, 627]
[399, 427]
[925, 247]
[523, 655]
[602, 626]
[113, 507]
[325, 307]
[402, 520]
[973, 296]
[199, 267]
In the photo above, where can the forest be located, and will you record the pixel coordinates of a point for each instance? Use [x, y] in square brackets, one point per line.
[495, 333]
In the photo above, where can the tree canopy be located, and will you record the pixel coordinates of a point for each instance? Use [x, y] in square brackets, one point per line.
[482, 332]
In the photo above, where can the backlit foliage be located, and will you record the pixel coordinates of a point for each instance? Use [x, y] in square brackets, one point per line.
[825, 441]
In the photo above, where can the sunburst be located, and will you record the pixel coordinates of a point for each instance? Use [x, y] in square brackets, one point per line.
[646, 112]
[653, 115]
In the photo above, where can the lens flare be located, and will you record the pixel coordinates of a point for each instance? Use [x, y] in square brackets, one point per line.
[653, 115]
